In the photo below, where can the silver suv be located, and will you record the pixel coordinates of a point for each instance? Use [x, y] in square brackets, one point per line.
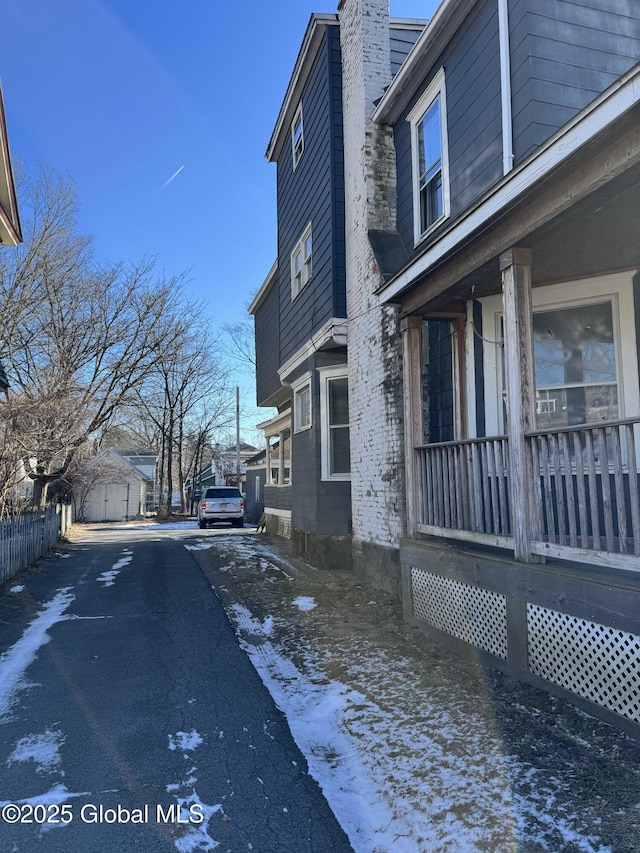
[221, 503]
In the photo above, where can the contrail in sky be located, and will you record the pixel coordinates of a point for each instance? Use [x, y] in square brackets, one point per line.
[175, 175]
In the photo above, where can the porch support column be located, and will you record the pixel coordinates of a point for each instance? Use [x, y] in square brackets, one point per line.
[281, 457]
[515, 266]
[411, 328]
[268, 479]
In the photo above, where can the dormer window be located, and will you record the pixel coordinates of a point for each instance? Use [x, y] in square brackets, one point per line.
[430, 158]
[297, 137]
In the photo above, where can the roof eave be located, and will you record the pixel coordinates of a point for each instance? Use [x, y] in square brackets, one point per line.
[265, 287]
[10, 230]
[306, 56]
[438, 32]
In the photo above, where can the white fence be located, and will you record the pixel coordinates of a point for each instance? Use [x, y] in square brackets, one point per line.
[24, 538]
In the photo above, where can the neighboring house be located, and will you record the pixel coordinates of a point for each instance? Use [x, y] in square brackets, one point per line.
[300, 310]
[493, 303]
[147, 463]
[10, 231]
[222, 469]
[118, 491]
[261, 481]
[4, 382]
[227, 459]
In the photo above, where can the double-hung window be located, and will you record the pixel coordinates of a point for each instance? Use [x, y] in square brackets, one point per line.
[302, 403]
[301, 262]
[297, 137]
[430, 161]
[334, 414]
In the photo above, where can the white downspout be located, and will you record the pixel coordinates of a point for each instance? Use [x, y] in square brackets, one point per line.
[505, 86]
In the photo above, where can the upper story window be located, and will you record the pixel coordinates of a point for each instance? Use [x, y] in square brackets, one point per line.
[430, 160]
[297, 137]
[301, 262]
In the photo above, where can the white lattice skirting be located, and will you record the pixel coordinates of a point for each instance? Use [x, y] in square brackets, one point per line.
[474, 615]
[594, 661]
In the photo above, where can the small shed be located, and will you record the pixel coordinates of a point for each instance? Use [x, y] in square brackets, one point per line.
[119, 490]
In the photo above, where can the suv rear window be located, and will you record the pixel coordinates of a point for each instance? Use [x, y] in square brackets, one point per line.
[222, 493]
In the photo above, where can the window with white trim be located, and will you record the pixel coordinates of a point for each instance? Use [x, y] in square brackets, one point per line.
[297, 137]
[584, 348]
[334, 415]
[575, 365]
[430, 159]
[302, 262]
[302, 405]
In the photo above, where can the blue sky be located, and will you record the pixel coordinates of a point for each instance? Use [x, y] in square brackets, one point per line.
[122, 94]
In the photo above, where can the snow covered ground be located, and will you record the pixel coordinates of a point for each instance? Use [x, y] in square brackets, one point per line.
[411, 748]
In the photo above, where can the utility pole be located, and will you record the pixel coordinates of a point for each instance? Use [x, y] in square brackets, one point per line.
[238, 436]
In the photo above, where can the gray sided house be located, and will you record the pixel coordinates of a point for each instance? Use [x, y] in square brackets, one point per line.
[10, 231]
[300, 310]
[494, 335]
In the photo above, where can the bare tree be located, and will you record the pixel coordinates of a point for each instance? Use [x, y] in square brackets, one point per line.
[241, 343]
[186, 391]
[75, 337]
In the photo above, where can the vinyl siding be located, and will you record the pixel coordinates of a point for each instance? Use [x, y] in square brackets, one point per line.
[563, 54]
[314, 193]
[267, 337]
[440, 372]
[474, 120]
[401, 41]
[318, 506]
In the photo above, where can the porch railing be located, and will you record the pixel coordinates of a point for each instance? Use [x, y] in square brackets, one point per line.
[585, 479]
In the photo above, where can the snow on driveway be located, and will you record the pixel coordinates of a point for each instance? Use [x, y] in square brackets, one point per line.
[14, 663]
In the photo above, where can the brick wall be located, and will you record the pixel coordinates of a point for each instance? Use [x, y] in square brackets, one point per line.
[374, 343]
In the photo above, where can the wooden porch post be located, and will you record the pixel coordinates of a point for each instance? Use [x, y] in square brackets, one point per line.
[411, 328]
[281, 458]
[515, 266]
[268, 478]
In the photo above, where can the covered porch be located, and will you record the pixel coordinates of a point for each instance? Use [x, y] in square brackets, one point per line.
[521, 374]
[521, 353]
[277, 488]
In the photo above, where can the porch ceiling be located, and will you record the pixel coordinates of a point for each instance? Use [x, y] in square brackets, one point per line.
[582, 221]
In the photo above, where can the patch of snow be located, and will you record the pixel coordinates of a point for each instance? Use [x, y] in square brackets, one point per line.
[17, 588]
[14, 662]
[195, 835]
[304, 602]
[108, 578]
[249, 624]
[43, 749]
[57, 795]
[200, 546]
[184, 741]
[173, 525]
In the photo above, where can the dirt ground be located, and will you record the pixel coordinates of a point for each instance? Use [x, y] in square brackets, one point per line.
[494, 761]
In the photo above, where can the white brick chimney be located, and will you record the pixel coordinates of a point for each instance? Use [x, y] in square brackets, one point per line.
[374, 344]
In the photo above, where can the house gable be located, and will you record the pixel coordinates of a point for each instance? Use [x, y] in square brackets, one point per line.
[10, 231]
